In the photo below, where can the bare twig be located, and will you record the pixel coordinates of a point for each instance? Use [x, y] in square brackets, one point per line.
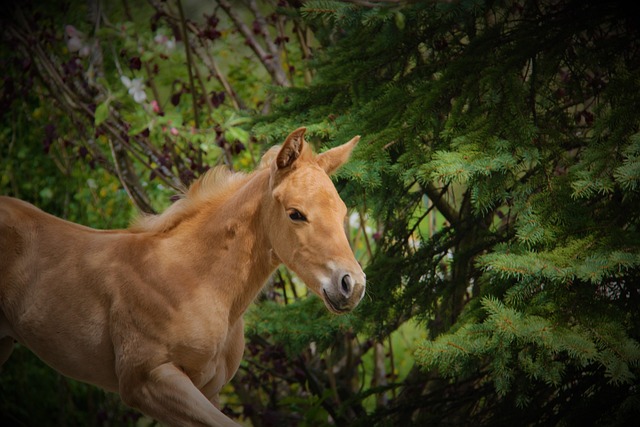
[262, 23]
[123, 170]
[200, 47]
[205, 55]
[303, 41]
[187, 48]
[268, 60]
[73, 99]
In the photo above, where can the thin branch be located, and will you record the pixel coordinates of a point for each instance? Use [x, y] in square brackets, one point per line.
[270, 62]
[363, 227]
[70, 100]
[443, 207]
[208, 60]
[123, 170]
[271, 46]
[187, 48]
[203, 52]
[302, 35]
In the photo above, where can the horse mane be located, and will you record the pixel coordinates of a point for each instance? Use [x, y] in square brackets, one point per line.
[215, 185]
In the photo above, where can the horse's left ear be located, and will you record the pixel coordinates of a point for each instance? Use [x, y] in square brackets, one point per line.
[291, 148]
[331, 160]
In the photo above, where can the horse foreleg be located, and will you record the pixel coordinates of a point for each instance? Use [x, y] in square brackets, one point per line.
[168, 395]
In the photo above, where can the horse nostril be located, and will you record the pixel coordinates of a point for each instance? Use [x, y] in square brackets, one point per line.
[346, 285]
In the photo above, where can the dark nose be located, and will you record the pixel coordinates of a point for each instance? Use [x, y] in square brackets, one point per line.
[346, 286]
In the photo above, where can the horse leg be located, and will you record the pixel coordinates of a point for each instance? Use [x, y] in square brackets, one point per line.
[6, 347]
[168, 395]
[228, 363]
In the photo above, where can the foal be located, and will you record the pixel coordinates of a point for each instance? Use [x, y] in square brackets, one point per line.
[154, 312]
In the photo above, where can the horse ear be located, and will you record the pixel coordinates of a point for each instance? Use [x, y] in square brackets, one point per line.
[331, 160]
[291, 148]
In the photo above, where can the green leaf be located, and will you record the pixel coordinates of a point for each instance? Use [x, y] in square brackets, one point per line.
[147, 56]
[237, 134]
[399, 20]
[46, 193]
[102, 113]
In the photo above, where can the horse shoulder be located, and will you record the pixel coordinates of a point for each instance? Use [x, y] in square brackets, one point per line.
[162, 311]
[17, 229]
[15, 216]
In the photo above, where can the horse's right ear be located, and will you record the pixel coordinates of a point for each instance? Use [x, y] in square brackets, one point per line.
[291, 148]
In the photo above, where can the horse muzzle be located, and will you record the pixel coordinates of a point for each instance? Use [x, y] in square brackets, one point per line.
[345, 290]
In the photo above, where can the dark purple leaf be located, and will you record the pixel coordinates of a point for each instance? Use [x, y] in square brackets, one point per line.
[50, 134]
[256, 28]
[83, 152]
[237, 148]
[135, 63]
[175, 98]
[217, 98]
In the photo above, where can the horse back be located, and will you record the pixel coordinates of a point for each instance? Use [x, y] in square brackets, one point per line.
[48, 301]
[18, 224]
[26, 235]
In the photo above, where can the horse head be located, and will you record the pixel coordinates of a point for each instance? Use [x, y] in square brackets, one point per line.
[307, 217]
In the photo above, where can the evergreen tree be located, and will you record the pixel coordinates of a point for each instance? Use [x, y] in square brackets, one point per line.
[500, 161]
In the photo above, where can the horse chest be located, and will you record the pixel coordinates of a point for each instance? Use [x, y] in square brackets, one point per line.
[210, 359]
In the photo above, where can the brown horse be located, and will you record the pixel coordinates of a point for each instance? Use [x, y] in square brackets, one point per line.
[154, 312]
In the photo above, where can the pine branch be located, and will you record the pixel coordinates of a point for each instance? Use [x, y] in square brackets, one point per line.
[446, 209]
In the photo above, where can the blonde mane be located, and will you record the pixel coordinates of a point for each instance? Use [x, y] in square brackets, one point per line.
[216, 184]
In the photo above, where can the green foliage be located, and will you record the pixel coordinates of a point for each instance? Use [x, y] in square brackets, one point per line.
[61, 401]
[627, 175]
[516, 123]
[538, 348]
[313, 324]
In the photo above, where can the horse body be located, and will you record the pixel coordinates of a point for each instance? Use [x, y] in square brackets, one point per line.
[154, 312]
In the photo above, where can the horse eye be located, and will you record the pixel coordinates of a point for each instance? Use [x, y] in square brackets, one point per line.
[295, 215]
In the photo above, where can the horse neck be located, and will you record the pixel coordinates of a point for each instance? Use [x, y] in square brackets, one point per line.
[230, 247]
